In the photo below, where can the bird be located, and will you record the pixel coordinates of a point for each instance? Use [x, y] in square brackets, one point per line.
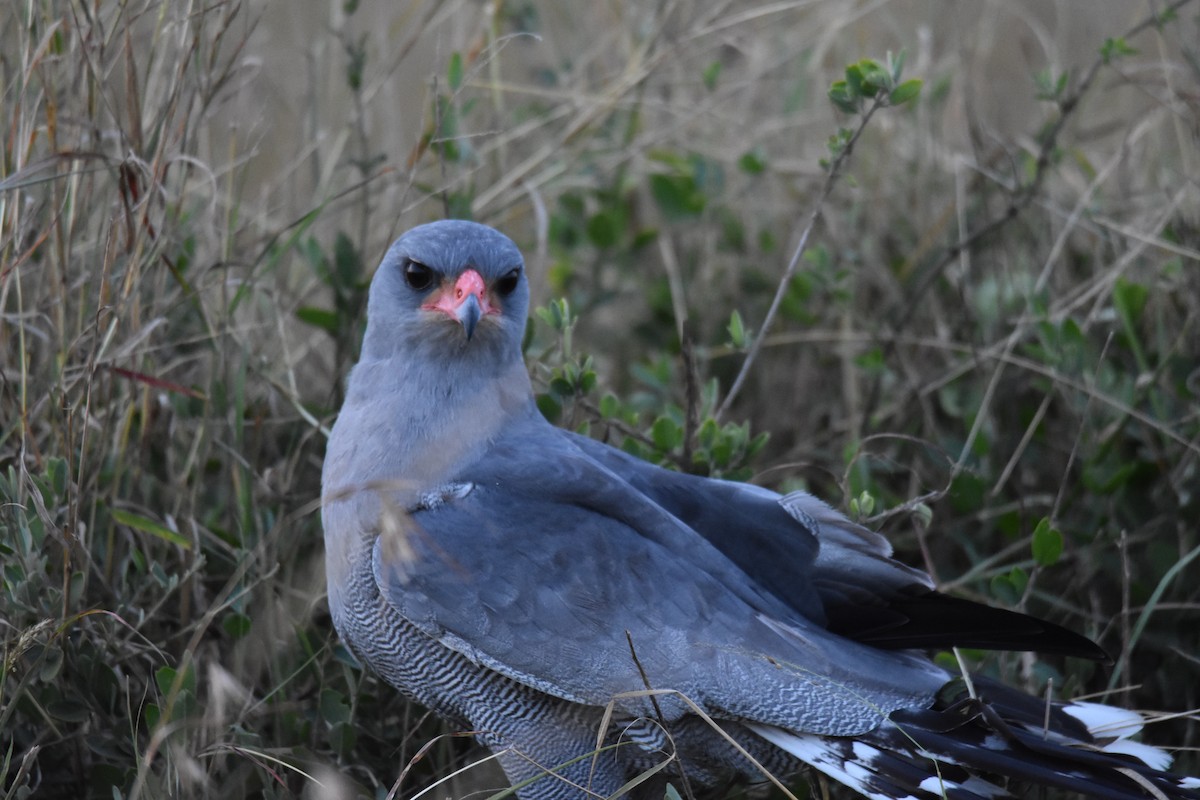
[609, 627]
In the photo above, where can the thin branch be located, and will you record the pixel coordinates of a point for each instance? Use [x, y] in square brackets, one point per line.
[831, 177]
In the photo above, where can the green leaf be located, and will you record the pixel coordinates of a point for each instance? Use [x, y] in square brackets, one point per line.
[152, 715]
[164, 678]
[1108, 476]
[841, 96]
[321, 318]
[1130, 299]
[711, 73]
[1019, 579]
[546, 315]
[667, 435]
[677, 195]
[236, 624]
[561, 386]
[51, 664]
[334, 708]
[871, 360]
[737, 330]
[356, 60]
[550, 406]
[752, 162]
[874, 77]
[905, 92]
[140, 523]
[70, 711]
[454, 73]
[862, 506]
[722, 452]
[557, 314]
[56, 471]
[967, 492]
[1115, 48]
[1010, 588]
[347, 266]
[1047, 544]
[603, 229]
[854, 80]
[838, 142]
[443, 140]
[896, 64]
[673, 159]
[609, 406]
[1049, 86]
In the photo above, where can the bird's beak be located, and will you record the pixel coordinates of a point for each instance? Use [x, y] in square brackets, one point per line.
[466, 302]
[468, 314]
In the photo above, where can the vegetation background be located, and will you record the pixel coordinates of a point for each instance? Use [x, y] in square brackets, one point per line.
[990, 348]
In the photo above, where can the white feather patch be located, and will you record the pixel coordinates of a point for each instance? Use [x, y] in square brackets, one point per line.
[825, 756]
[1151, 756]
[1106, 721]
[1118, 724]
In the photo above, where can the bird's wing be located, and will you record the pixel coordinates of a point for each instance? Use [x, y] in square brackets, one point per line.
[796, 546]
[545, 566]
[830, 569]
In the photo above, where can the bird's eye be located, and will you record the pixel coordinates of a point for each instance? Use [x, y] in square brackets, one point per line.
[418, 276]
[508, 282]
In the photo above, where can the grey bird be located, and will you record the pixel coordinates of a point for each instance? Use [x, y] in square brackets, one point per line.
[554, 594]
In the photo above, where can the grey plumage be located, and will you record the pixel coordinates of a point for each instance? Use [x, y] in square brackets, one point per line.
[519, 579]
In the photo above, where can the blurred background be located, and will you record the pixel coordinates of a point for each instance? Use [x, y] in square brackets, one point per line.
[989, 349]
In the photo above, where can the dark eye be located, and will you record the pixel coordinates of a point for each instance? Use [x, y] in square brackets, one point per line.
[418, 276]
[508, 283]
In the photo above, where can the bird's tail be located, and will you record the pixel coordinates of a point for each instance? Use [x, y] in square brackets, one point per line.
[968, 748]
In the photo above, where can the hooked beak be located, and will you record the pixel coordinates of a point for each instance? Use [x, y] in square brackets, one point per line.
[466, 302]
[468, 314]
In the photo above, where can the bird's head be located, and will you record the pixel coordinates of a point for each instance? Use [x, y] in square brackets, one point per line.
[449, 287]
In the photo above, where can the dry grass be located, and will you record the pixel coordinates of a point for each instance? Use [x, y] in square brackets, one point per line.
[997, 313]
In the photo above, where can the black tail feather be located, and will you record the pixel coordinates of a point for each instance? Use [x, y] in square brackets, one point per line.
[933, 620]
